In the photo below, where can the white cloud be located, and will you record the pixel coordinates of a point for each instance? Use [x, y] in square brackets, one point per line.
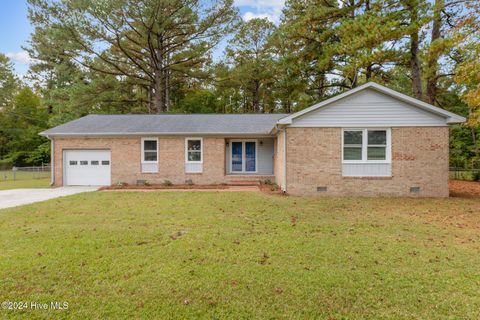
[20, 57]
[270, 9]
[260, 3]
[252, 15]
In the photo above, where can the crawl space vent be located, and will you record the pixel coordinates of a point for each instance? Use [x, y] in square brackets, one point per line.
[414, 189]
[321, 189]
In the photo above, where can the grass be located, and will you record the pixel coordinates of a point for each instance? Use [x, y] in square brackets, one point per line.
[23, 179]
[30, 183]
[242, 256]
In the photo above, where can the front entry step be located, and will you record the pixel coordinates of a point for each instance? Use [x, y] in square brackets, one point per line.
[244, 182]
[238, 180]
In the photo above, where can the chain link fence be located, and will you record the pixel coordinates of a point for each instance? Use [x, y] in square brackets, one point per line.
[25, 173]
[459, 173]
[465, 170]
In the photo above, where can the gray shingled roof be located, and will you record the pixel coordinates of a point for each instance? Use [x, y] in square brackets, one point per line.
[134, 124]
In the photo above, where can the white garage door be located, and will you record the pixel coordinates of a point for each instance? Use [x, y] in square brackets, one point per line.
[87, 167]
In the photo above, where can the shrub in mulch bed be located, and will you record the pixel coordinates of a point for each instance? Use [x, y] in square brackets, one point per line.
[163, 186]
[268, 186]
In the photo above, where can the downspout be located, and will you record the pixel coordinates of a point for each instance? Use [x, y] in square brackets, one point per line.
[283, 184]
[52, 161]
[284, 160]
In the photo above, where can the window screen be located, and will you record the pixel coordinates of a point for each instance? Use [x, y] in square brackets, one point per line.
[352, 145]
[194, 150]
[150, 150]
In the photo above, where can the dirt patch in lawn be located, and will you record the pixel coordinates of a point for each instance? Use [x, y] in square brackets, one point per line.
[461, 211]
[464, 189]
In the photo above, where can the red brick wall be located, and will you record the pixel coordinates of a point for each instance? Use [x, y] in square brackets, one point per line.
[419, 159]
[126, 159]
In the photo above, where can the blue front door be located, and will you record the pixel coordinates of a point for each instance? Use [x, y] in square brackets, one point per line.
[237, 157]
[244, 156]
[250, 157]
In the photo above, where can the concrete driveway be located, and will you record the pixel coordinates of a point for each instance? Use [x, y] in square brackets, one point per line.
[18, 197]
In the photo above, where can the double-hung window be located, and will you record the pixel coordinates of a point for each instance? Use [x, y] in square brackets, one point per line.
[366, 152]
[377, 145]
[149, 155]
[193, 155]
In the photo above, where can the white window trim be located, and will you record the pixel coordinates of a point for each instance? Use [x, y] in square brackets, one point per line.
[186, 149]
[244, 155]
[143, 151]
[388, 148]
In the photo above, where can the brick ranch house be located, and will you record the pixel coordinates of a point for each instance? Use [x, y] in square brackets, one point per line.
[369, 141]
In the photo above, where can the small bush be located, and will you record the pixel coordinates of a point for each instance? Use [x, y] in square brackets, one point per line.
[476, 175]
[167, 183]
[268, 182]
[6, 164]
[121, 184]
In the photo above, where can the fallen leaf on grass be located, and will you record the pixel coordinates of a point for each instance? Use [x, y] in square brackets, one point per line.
[294, 221]
[278, 290]
[264, 258]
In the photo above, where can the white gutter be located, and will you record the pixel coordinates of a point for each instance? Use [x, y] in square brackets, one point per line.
[194, 134]
[284, 182]
[52, 161]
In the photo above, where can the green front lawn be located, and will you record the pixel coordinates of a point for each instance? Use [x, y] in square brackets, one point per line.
[19, 184]
[23, 179]
[242, 256]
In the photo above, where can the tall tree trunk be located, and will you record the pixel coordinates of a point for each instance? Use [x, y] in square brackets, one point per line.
[167, 89]
[321, 85]
[368, 73]
[287, 106]
[474, 139]
[150, 94]
[159, 94]
[256, 96]
[415, 68]
[158, 102]
[167, 74]
[473, 132]
[432, 61]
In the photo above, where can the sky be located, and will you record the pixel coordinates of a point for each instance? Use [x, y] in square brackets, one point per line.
[15, 28]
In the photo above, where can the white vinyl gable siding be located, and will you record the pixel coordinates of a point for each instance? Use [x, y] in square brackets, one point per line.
[368, 108]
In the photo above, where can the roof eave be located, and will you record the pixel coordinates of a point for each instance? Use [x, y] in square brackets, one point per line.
[456, 119]
[118, 134]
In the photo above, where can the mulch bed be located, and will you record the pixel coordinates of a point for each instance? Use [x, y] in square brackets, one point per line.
[458, 188]
[464, 189]
[162, 187]
[270, 188]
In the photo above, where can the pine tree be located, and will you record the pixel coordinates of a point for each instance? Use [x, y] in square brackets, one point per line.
[251, 57]
[157, 43]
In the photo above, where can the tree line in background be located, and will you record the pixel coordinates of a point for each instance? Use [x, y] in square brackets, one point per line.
[156, 56]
